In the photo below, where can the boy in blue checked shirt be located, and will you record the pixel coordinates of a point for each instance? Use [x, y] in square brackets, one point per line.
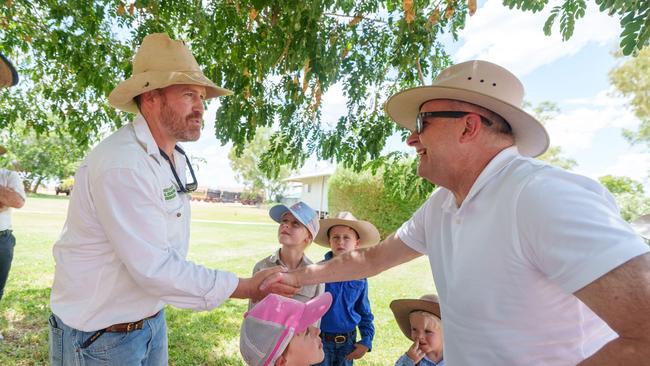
[350, 306]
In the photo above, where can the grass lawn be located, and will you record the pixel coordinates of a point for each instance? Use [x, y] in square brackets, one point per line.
[195, 338]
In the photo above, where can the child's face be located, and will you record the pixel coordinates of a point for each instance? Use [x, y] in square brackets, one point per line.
[305, 348]
[292, 232]
[343, 239]
[426, 328]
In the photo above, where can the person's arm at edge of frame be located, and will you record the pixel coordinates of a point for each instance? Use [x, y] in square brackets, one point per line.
[622, 299]
[11, 198]
[357, 264]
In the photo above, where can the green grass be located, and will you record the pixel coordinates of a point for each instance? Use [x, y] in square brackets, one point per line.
[195, 338]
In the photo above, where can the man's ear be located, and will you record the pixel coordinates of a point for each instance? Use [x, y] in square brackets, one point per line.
[472, 126]
[281, 361]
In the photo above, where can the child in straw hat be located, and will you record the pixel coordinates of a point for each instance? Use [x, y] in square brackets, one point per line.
[350, 307]
[278, 331]
[420, 322]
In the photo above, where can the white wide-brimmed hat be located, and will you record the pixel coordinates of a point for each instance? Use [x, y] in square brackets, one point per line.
[159, 63]
[402, 308]
[8, 73]
[482, 83]
[368, 233]
[642, 226]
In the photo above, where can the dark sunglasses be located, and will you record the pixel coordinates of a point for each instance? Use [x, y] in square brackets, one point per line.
[189, 187]
[419, 120]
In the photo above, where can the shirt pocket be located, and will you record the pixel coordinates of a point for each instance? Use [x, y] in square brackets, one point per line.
[351, 291]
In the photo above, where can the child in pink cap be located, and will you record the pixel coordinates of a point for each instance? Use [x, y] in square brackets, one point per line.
[279, 331]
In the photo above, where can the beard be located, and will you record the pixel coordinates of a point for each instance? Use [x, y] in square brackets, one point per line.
[178, 126]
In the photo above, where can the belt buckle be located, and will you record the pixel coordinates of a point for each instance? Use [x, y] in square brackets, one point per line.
[339, 339]
[129, 327]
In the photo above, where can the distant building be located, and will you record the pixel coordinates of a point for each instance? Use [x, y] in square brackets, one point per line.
[313, 191]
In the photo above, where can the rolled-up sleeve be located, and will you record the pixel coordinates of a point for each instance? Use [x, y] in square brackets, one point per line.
[127, 204]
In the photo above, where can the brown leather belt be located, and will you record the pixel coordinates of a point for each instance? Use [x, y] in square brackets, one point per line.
[128, 327]
[338, 337]
[117, 328]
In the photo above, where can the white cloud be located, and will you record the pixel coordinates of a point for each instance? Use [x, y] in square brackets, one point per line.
[575, 129]
[633, 165]
[515, 39]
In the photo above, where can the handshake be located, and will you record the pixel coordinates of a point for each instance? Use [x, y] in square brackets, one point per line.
[277, 280]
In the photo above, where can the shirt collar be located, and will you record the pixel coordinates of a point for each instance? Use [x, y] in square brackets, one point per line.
[275, 258]
[329, 255]
[498, 162]
[144, 136]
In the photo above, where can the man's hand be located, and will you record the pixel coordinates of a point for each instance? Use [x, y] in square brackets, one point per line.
[280, 282]
[359, 351]
[249, 288]
[415, 353]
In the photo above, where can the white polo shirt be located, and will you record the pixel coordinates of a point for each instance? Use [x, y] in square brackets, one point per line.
[9, 179]
[122, 253]
[507, 262]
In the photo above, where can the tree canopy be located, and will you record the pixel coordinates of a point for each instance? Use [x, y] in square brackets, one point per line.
[279, 57]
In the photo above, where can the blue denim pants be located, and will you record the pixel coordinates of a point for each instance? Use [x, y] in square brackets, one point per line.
[144, 347]
[335, 352]
[7, 243]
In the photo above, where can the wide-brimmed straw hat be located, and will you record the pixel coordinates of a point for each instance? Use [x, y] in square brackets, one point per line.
[403, 307]
[159, 63]
[8, 73]
[484, 84]
[368, 233]
[642, 226]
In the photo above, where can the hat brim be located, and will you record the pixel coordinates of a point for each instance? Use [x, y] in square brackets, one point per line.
[8, 73]
[368, 233]
[122, 96]
[642, 226]
[403, 307]
[531, 137]
[314, 310]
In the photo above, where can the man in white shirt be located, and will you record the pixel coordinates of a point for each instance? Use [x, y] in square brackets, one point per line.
[533, 265]
[12, 195]
[122, 253]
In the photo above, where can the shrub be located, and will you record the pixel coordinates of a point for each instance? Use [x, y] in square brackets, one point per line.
[368, 198]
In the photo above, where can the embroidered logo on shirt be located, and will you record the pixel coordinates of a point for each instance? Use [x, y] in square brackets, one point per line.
[169, 193]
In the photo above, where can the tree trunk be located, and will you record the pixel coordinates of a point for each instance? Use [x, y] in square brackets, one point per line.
[38, 183]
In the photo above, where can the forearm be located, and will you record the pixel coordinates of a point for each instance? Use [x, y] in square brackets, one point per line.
[9, 198]
[621, 351]
[358, 264]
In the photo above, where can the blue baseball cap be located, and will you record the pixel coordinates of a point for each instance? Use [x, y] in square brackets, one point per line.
[301, 211]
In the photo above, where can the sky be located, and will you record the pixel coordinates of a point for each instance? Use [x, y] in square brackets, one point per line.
[572, 74]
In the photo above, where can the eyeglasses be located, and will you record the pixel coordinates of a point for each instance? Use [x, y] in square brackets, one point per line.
[419, 120]
[189, 187]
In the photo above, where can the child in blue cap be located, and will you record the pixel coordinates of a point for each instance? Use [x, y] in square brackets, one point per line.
[298, 228]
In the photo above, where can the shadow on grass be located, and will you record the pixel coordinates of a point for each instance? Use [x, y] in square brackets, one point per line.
[23, 323]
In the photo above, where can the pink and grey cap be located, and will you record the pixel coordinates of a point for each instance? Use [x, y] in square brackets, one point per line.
[271, 324]
[301, 211]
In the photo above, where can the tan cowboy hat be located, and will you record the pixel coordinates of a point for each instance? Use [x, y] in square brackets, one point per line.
[161, 62]
[403, 307]
[642, 226]
[8, 74]
[478, 82]
[368, 233]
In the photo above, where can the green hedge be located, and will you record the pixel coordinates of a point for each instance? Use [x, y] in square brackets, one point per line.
[367, 198]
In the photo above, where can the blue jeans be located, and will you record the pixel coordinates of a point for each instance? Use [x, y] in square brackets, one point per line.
[335, 352]
[7, 243]
[144, 347]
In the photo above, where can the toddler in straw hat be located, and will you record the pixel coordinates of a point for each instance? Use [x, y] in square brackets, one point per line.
[419, 320]
[278, 331]
[350, 306]
[298, 227]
